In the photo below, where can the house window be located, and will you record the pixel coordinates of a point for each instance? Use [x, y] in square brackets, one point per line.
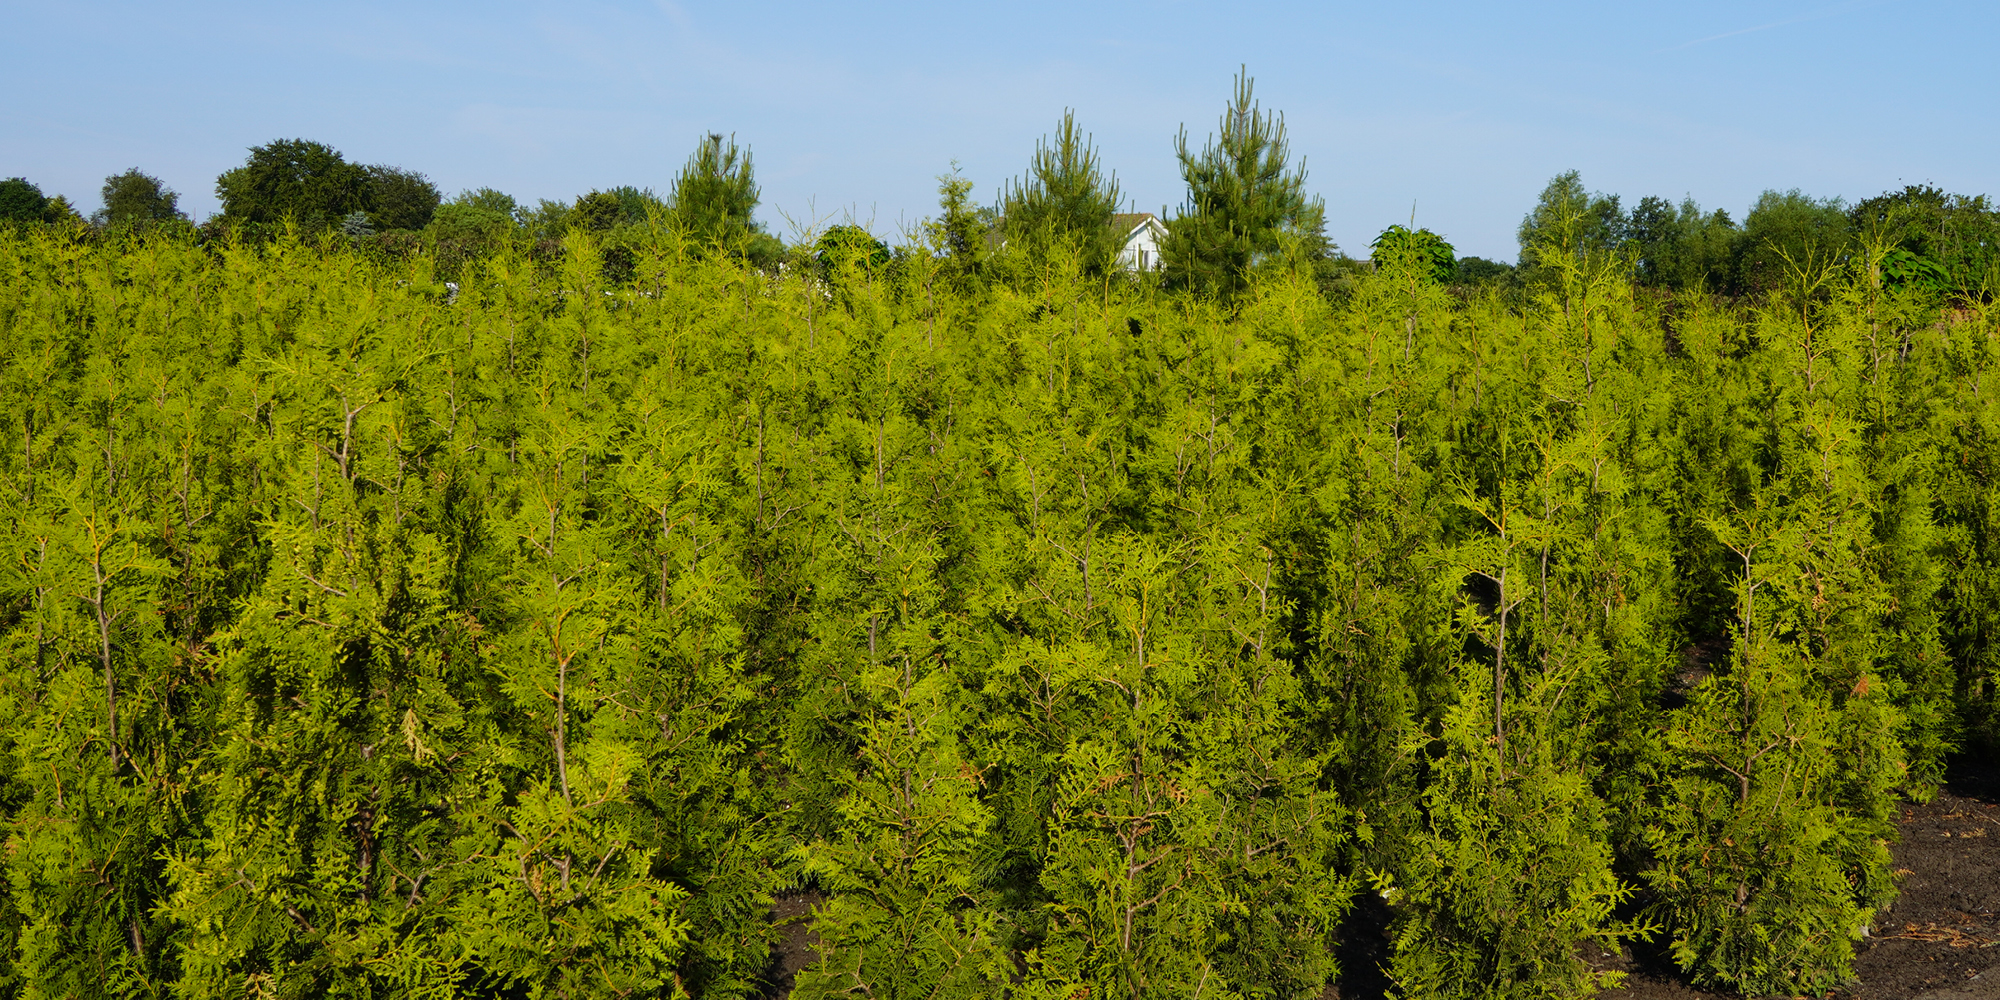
[1142, 260]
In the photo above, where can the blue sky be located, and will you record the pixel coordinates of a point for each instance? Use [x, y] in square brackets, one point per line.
[1463, 110]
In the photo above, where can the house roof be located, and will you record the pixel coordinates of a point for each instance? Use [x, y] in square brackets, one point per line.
[1128, 223]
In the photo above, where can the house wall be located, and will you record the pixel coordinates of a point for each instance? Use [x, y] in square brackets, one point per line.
[1142, 249]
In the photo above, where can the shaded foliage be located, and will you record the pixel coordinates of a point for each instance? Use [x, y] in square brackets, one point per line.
[135, 198]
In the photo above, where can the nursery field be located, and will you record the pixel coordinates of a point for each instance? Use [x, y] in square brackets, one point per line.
[1029, 628]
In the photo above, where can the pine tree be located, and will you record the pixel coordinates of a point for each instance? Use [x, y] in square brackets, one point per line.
[1242, 194]
[1065, 198]
[715, 195]
[960, 232]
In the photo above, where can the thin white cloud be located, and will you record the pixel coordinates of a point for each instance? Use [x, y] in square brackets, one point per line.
[1812, 16]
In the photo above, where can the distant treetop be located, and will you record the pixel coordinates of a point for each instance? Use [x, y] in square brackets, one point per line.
[715, 195]
[21, 201]
[136, 197]
[1243, 194]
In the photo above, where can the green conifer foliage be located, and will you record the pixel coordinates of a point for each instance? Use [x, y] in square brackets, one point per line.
[1066, 198]
[535, 635]
[1765, 875]
[959, 233]
[715, 194]
[906, 857]
[1242, 194]
[1570, 221]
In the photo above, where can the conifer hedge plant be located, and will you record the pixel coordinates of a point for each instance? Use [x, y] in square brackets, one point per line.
[1057, 631]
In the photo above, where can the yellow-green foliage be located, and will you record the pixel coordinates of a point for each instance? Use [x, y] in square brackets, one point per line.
[366, 635]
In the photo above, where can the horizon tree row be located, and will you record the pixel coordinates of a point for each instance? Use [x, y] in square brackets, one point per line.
[1244, 197]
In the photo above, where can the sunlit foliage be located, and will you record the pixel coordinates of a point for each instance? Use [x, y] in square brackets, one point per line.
[366, 635]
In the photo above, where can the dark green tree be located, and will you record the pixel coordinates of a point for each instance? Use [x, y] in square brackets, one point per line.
[1242, 194]
[1425, 252]
[960, 230]
[1480, 271]
[1793, 244]
[1933, 239]
[1569, 220]
[307, 182]
[21, 201]
[1065, 198]
[469, 227]
[547, 219]
[488, 199]
[636, 205]
[850, 245]
[58, 209]
[714, 197]
[400, 199]
[597, 212]
[136, 197]
[1680, 247]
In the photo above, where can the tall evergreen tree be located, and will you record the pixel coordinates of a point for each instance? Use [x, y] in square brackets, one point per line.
[714, 197]
[537, 637]
[1242, 194]
[1066, 197]
[960, 230]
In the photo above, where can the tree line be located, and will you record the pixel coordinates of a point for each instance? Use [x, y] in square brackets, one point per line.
[1244, 195]
[1046, 630]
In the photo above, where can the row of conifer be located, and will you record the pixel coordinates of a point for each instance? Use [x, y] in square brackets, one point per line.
[1051, 633]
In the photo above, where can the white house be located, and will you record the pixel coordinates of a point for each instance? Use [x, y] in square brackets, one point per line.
[1142, 232]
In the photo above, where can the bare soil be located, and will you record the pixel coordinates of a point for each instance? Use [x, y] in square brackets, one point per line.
[797, 944]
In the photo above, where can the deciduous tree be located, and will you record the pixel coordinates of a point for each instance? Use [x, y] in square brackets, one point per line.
[136, 197]
[307, 182]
